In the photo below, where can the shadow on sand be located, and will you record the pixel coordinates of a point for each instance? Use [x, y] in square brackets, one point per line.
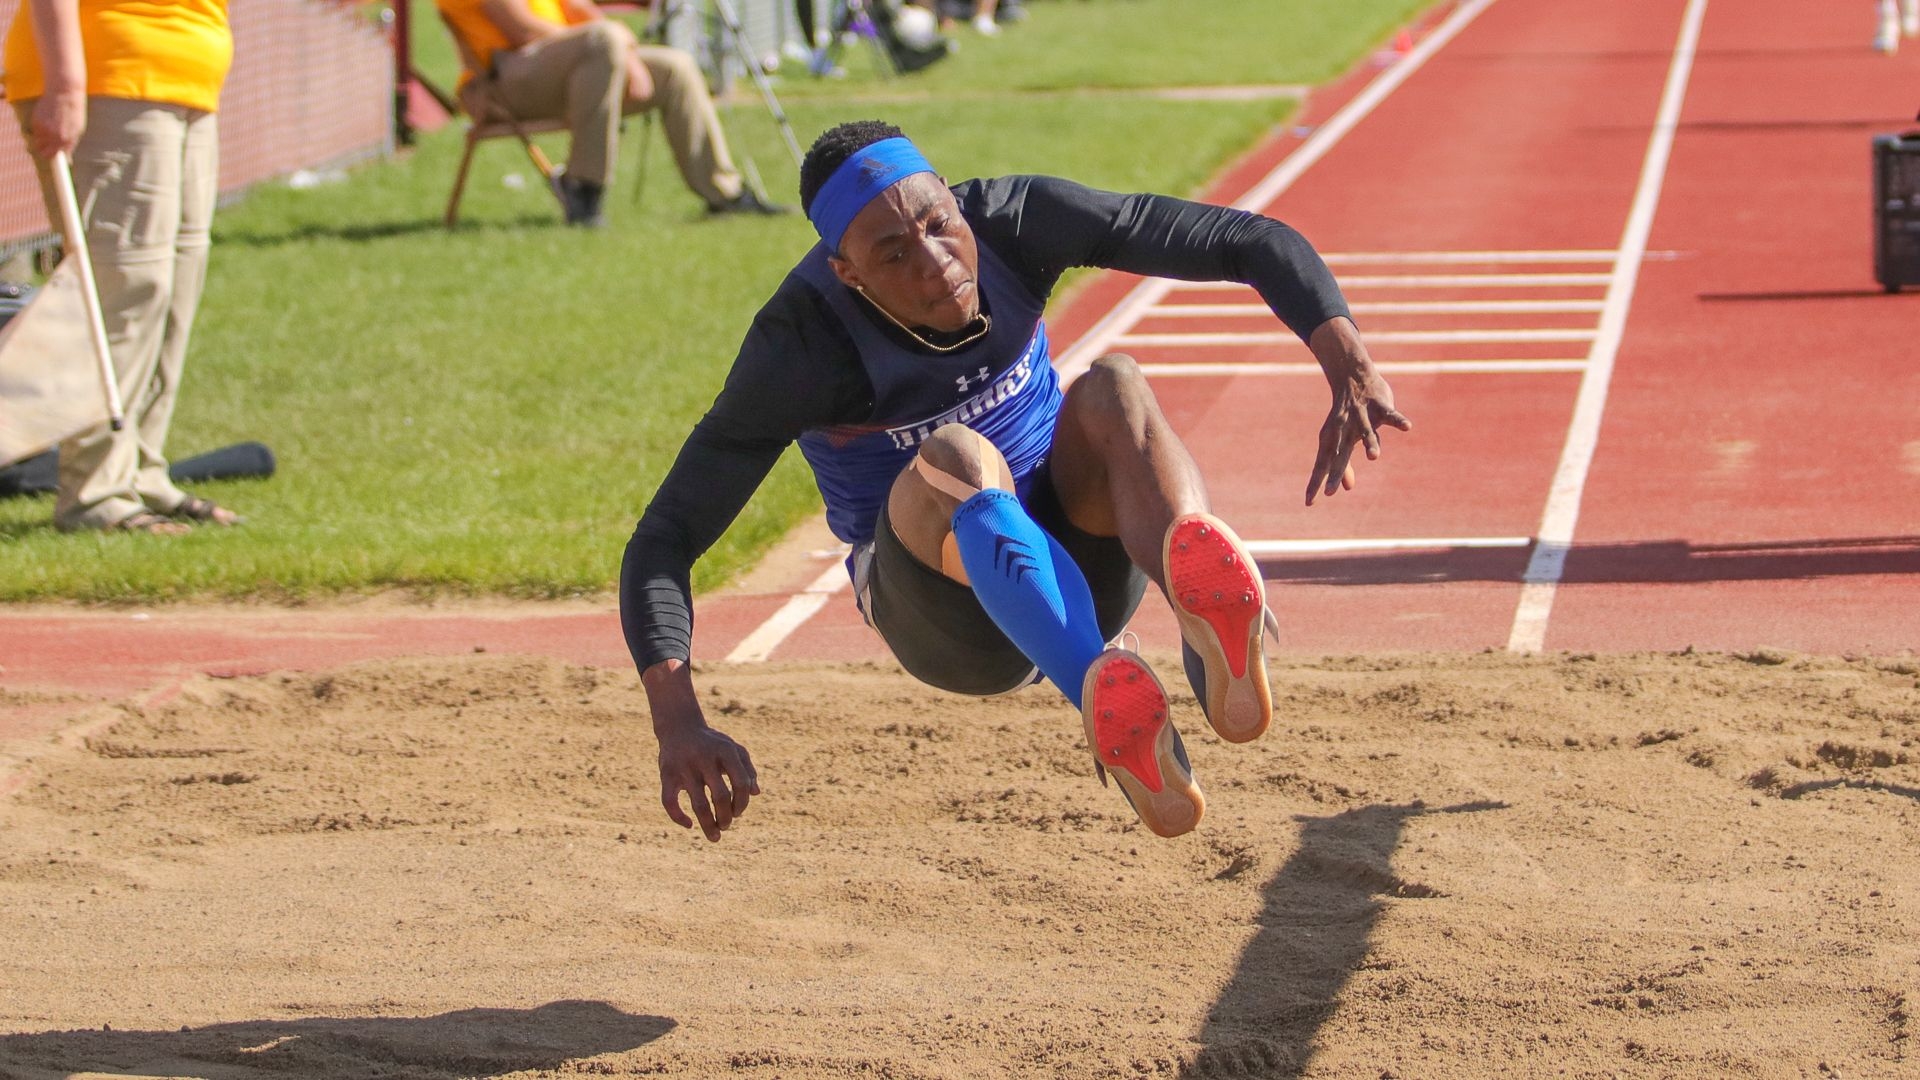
[1315, 923]
[1802, 790]
[468, 1043]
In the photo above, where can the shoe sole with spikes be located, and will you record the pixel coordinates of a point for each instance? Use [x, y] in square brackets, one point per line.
[1220, 601]
[1124, 708]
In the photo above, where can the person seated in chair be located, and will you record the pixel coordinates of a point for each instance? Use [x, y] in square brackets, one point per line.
[564, 60]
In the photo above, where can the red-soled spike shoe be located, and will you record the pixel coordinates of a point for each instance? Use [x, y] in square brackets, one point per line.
[1220, 601]
[1124, 708]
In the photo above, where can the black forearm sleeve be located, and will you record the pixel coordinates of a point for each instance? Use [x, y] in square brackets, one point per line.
[1290, 276]
[785, 380]
[1051, 224]
[656, 598]
[1173, 238]
[709, 484]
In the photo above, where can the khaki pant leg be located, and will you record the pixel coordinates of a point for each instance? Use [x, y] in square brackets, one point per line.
[692, 124]
[199, 189]
[578, 76]
[126, 174]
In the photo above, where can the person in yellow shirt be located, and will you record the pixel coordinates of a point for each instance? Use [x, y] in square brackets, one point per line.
[128, 90]
[562, 59]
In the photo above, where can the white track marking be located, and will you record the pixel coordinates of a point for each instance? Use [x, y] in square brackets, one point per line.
[1391, 307]
[1549, 559]
[1259, 548]
[1375, 337]
[800, 607]
[1074, 362]
[1444, 258]
[1415, 281]
[1388, 367]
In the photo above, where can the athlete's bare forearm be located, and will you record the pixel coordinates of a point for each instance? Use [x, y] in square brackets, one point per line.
[1337, 345]
[670, 696]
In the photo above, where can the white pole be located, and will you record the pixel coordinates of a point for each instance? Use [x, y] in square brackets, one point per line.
[76, 241]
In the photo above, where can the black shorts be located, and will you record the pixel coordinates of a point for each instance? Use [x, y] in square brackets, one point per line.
[936, 626]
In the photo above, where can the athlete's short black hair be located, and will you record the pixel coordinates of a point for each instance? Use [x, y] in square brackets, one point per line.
[835, 146]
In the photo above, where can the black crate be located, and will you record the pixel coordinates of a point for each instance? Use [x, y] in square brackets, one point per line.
[1896, 210]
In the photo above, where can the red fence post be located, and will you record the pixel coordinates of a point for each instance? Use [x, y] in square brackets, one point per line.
[402, 70]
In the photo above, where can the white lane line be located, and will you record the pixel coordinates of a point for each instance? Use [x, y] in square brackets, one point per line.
[1074, 362]
[1424, 281]
[1387, 367]
[1562, 513]
[1376, 337]
[1392, 307]
[1260, 548]
[1445, 258]
[799, 607]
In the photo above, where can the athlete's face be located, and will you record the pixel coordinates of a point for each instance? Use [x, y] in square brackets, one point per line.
[914, 255]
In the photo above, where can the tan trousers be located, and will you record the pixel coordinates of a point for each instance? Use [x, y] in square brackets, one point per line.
[580, 76]
[145, 175]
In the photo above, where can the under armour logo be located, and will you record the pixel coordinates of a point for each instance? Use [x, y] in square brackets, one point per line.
[966, 381]
[1012, 558]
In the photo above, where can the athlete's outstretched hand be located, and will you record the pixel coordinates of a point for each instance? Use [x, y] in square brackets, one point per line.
[714, 773]
[1362, 405]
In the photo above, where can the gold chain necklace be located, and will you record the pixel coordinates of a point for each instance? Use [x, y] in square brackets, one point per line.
[982, 320]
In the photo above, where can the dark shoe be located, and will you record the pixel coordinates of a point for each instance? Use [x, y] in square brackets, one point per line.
[206, 511]
[749, 203]
[907, 59]
[581, 200]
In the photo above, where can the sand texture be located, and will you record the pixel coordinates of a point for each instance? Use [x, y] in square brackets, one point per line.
[1431, 867]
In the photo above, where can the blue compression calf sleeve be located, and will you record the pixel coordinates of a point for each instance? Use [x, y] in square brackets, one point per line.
[1029, 586]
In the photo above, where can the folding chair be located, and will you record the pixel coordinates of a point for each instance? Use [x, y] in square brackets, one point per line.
[489, 118]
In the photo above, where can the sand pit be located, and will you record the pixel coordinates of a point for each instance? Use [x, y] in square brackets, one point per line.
[1640, 866]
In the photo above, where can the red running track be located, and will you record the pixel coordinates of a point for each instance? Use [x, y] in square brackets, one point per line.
[1749, 475]
[1752, 470]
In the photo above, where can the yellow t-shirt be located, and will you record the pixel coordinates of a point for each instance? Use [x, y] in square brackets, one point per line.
[171, 51]
[470, 21]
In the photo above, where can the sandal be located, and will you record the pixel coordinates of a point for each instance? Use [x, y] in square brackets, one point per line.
[198, 509]
[146, 521]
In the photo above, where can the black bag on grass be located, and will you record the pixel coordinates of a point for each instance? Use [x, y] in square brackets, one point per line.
[40, 475]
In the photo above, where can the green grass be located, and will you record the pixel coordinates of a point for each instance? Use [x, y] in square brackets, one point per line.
[1121, 44]
[487, 410]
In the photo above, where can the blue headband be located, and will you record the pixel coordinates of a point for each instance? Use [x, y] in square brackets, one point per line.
[858, 181]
